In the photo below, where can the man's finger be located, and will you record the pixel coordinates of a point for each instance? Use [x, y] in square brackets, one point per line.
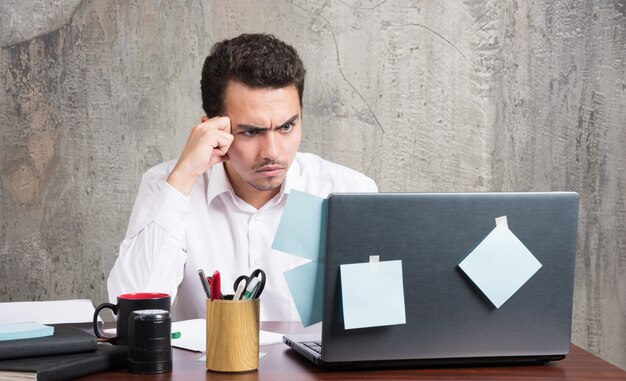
[221, 123]
[225, 125]
[223, 141]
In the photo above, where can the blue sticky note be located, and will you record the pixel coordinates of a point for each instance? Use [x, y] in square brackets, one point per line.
[372, 294]
[24, 330]
[306, 286]
[301, 227]
[500, 265]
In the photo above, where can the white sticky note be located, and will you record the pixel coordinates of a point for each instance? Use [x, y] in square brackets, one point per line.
[500, 265]
[372, 296]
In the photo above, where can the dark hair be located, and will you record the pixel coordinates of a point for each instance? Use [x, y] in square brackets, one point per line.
[255, 60]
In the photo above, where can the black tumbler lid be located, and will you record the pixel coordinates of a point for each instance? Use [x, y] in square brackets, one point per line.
[150, 315]
[149, 346]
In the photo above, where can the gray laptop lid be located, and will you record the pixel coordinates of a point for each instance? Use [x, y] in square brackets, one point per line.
[447, 316]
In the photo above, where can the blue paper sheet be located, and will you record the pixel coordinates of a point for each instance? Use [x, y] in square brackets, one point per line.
[500, 264]
[24, 330]
[306, 286]
[301, 232]
[301, 226]
[372, 294]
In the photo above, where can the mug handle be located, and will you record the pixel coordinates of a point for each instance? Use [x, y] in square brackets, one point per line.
[96, 330]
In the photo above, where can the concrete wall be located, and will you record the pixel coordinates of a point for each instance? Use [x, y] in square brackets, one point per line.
[480, 95]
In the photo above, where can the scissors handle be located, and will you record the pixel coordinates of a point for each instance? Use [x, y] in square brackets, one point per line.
[261, 275]
[245, 278]
[241, 278]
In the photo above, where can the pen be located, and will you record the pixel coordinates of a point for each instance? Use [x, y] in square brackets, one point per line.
[240, 288]
[254, 283]
[205, 285]
[216, 288]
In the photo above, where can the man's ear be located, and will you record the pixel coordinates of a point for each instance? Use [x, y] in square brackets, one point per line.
[203, 118]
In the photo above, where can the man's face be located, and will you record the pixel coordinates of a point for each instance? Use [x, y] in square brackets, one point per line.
[266, 124]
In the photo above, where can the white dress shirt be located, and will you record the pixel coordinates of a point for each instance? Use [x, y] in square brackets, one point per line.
[170, 236]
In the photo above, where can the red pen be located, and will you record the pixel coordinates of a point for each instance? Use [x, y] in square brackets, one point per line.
[216, 288]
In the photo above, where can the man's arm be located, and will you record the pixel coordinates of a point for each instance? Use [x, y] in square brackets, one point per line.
[153, 253]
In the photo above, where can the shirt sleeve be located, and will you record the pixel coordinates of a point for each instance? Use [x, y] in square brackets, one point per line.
[369, 185]
[152, 256]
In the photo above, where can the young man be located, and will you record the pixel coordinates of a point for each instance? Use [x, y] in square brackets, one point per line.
[218, 206]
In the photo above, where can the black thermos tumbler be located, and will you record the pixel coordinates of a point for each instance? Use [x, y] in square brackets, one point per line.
[149, 341]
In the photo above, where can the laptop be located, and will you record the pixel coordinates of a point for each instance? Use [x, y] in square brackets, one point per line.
[449, 320]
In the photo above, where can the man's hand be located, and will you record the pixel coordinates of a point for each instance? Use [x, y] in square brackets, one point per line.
[207, 144]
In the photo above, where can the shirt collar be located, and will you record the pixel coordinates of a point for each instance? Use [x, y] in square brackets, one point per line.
[293, 180]
[218, 183]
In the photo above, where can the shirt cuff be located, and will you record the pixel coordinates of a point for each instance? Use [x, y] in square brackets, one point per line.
[171, 211]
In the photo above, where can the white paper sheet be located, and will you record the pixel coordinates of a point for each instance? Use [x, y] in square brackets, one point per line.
[48, 312]
[193, 335]
[203, 358]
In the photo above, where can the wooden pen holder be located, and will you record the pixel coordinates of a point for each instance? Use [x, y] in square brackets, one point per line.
[232, 335]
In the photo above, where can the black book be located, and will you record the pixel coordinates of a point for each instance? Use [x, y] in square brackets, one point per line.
[65, 367]
[64, 340]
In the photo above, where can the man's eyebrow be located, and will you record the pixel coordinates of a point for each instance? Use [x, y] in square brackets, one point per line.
[250, 127]
[290, 120]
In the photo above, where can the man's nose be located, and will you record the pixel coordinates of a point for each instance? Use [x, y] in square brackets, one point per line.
[270, 146]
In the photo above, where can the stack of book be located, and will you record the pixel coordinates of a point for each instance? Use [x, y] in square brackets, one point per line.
[45, 353]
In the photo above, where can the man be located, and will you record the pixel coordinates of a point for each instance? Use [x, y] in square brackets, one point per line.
[218, 206]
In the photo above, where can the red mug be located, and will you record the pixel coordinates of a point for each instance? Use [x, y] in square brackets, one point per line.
[126, 304]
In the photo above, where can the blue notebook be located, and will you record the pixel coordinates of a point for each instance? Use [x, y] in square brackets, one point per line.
[24, 330]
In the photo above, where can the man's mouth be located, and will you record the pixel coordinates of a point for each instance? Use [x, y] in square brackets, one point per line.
[271, 170]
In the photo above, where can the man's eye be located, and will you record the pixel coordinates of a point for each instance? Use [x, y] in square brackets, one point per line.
[250, 132]
[287, 127]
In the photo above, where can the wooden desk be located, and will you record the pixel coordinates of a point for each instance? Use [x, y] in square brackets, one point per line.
[281, 363]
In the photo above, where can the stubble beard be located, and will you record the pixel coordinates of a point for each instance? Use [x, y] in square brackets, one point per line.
[266, 187]
[271, 186]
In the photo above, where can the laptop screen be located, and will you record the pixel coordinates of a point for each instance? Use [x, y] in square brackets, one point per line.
[448, 315]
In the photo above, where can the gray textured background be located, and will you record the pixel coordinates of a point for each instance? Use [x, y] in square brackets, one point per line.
[480, 95]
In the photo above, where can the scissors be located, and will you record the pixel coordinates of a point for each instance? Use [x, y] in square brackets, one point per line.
[258, 273]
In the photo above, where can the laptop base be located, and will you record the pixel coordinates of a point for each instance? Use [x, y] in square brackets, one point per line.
[296, 342]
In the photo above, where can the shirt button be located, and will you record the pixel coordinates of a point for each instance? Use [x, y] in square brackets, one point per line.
[256, 261]
[258, 217]
[183, 216]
